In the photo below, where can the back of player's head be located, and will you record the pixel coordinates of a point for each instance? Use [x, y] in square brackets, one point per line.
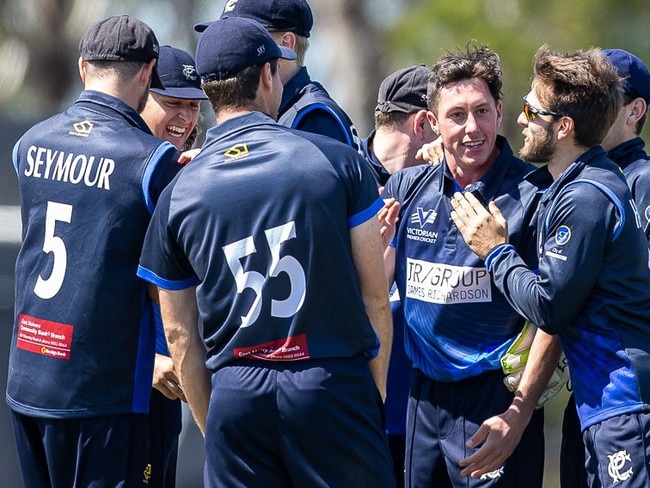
[402, 93]
[474, 62]
[275, 15]
[121, 38]
[635, 78]
[404, 90]
[232, 44]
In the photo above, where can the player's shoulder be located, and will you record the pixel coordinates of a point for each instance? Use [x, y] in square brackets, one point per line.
[406, 182]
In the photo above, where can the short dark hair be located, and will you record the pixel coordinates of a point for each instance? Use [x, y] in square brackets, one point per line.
[125, 71]
[390, 120]
[238, 91]
[475, 61]
[582, 85]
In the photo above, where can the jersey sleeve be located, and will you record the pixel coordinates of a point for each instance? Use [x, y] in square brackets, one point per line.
[162, 262]
[364, 200]
[161, 169]
[575, 233]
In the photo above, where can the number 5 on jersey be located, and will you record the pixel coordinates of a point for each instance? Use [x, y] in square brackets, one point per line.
[255, 281]
[47, 288]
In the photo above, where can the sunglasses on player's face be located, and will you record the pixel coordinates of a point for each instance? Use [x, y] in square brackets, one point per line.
[531, 112]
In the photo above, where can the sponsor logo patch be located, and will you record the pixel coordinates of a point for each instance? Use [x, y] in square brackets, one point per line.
[443, 283]
[44, 337]
[81, 129]
[563, 235]
[288, 349]
[238, 151]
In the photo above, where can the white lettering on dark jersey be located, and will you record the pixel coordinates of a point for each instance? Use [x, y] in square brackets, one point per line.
[51, 164]
[443, 283]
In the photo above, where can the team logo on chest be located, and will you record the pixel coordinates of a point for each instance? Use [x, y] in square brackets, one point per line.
[617, 462]
[423, 217]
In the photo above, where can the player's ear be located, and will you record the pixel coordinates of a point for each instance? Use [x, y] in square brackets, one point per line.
[288, 39]
[433, 122]
[82, 69]
[420, 122]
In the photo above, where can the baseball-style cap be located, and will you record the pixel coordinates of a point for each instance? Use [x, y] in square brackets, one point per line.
[121, 38]
[280, 15]
[634, 73]
[404, 90]
[231, 44]
[177, 71]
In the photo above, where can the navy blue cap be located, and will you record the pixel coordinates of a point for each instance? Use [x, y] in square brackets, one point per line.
[634, 73]
[404, 90]
[177, 71]
[121, 38]
[278, 15]
[231, 44]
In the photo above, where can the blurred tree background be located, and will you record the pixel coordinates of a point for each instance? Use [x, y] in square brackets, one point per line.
[354, 45]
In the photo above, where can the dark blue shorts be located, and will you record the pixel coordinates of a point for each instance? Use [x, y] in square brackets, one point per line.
[314, 423]
[165, 424]
[442, 417]
[572, 452]
[618, 452]
[92, 452]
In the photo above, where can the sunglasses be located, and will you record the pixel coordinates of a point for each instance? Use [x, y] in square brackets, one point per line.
[531, 112]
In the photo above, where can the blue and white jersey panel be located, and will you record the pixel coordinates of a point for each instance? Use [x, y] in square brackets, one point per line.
[458, 323]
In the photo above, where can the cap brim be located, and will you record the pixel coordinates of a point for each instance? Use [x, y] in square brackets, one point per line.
[287, 53]
[200, 27]
[182, 93]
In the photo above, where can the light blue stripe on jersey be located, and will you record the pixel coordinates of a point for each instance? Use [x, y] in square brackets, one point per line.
[367, 214]
[154, 160]
[173, 285]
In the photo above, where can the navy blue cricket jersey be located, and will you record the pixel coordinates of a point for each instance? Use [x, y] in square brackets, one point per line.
[307, 106]
[635, 163]
[592, 286]
[380, 172]
[458, 323]
[83, 342]
[260, 221]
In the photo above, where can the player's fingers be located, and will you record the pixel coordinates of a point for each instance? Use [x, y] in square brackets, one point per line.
[496, 213]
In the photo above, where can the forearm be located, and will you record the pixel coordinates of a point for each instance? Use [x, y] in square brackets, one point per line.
[543, 357]
[367, 256]
[381, 320]
[194, 379]
[180, 320]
